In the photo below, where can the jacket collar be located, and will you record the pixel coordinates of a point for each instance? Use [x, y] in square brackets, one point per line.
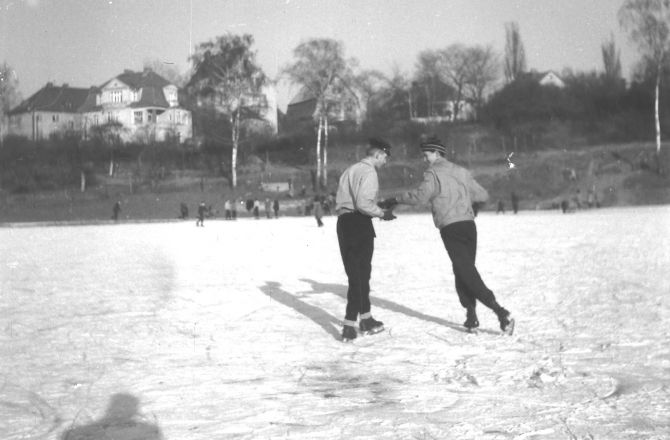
[368, 161]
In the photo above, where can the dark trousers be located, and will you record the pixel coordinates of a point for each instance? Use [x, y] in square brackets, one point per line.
[356, 237]
[460, 240]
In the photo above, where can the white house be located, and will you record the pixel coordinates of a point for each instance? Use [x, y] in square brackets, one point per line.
[551, 79]
[146, 104]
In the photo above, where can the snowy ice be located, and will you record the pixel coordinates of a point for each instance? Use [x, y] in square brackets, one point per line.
[232, 331]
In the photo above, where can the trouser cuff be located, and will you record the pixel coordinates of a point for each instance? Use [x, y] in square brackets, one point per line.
[366, 315]
[350, 323]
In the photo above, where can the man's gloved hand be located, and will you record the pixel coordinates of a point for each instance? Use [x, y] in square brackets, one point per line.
[388, 215]
[389, 203]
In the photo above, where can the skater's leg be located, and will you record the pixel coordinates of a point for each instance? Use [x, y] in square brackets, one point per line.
[460, 240]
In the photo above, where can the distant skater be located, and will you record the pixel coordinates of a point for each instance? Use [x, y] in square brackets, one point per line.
[268, 208]
[202, 209]
[275, 207]
[227, 210]
[356, 206]
[501, 207]
[515, 202]
[318, 211]
[233, 207]
[183, 211]
[256, 206]
[116, 209]
[451, 191]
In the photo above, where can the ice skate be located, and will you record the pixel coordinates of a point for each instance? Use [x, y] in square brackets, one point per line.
[506, 322]
[370, 326]
[348, 333]
[471, 322]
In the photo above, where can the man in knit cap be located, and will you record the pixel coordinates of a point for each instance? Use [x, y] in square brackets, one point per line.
[451, 191]
[356, 205]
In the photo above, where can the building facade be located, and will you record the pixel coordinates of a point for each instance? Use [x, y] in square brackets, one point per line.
[52, 110]
[143, 104]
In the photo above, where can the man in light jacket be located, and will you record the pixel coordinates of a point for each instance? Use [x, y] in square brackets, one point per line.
[356, 205]
[451, 191]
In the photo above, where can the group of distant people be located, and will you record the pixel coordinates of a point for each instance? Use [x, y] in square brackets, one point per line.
[500, 208]
[230, 209]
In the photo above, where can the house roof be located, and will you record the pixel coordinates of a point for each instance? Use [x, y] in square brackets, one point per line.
[50, 98]
[303, 95]
[138, 80]
[89, 104]
[151, 96]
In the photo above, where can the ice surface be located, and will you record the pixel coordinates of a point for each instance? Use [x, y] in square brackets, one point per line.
[231, 331]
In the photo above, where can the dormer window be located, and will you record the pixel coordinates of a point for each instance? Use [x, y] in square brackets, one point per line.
[171, 95]
[117, 96]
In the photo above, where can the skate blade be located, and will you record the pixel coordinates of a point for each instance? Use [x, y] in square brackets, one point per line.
[472, 331]
[374, 331]
[509, 331]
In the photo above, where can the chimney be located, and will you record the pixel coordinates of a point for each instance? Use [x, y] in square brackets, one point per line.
[49, 85]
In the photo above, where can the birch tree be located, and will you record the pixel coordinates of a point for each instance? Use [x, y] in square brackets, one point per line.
[648, 25]
[227, 77]
[320, 66]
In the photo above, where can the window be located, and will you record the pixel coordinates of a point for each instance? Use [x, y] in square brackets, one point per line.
[150, 116]
[54, 118]
[117, 96]
[138, 117]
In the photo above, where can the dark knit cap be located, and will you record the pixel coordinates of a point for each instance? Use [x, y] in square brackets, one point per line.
[380, 144]
[433, 144]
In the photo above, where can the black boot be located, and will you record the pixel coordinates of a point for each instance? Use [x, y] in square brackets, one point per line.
[506, 321]
[471, 321]
[370, 326]
[348, 333]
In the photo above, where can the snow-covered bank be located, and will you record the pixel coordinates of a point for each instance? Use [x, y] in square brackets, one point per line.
[231, 330]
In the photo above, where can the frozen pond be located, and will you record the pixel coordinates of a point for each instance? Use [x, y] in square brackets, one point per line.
[231, 331]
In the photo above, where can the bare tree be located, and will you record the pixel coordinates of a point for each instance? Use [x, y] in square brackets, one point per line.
[611, 59]
[455, 65]
[320, 67]
[227, 78]
[482, 72]
[370, 83]
[428, 77]
[648, 24]
[515, 54]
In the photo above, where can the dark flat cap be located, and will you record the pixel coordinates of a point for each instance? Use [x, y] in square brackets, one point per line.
[380, 144]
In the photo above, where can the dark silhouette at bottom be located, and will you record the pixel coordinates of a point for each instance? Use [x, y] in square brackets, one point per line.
[121, 421]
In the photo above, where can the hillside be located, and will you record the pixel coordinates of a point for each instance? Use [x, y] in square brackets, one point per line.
[616, 175]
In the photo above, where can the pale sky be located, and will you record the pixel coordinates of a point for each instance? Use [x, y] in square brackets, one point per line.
[87, 42]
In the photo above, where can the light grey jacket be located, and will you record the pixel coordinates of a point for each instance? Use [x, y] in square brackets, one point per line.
[450, 190]
[357, 190]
